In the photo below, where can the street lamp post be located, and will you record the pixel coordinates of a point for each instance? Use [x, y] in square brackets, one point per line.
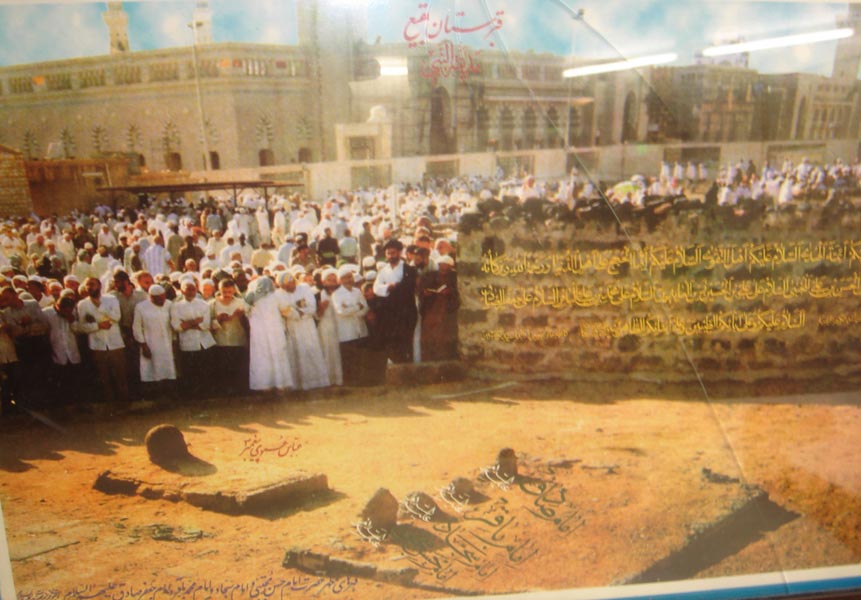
[193, 26]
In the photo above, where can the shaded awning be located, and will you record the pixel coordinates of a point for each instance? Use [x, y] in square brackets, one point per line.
[202, 186]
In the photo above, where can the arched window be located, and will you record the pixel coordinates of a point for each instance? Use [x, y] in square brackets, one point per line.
[483, 119]
[266, 157]
[801, 120]
[573, 126]
[173, 161]
[506, 129]
[551, 127]
[441, 134]
[629, 119]
[530, 123]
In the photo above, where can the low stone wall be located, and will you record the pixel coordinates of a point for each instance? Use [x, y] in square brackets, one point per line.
[699, 296]
[14, 191]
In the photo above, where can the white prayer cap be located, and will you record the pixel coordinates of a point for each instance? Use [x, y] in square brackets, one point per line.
[328, 271]
[369, 261]
[445, 260]
[343, 271]
[187, 281]
[370, 275]
[298, 270]
[156, 290]
[285, 277]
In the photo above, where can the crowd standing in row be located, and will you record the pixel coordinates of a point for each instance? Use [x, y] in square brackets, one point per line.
[229, 294]
[222, 297]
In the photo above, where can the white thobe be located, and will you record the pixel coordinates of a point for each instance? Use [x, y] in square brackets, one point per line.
[327, 329]
[263, 226]
[350, 309]
[386, 276]
[270, 365]
[107, 310]
[309, 368]
[155, 260]
[192, 340]
[151, 326]
[64, 344]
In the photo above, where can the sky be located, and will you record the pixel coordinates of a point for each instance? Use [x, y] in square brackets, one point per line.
[42, 30]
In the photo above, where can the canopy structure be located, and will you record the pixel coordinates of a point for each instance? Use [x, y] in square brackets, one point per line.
[202, 186]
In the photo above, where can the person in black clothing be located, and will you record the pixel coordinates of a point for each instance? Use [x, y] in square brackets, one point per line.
[328, 249]
[396, 287]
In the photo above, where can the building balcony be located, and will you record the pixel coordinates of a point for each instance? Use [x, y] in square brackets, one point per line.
[227, 60]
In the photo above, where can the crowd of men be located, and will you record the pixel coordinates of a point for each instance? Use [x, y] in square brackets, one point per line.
[223, 295]
[738, 194]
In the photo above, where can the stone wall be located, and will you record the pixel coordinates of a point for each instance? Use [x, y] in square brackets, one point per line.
[14, 191]
[59, 186]
[722, 296]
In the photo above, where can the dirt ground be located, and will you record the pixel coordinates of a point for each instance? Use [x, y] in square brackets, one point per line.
[612, 480]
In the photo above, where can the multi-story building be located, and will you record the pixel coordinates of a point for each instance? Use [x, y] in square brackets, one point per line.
[229, 105]
[725, 101]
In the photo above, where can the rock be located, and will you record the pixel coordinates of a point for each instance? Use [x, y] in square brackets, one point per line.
[506, 462]
[381, 510]
[419, 505]
[165, 445]
[462, 486]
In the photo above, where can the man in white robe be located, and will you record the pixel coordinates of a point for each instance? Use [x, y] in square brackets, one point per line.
[152, 330]
[309, 368]
[327, 327]
[350, 310]
[269, 361]
[229, 322]
[191, 318]
[64, 377]
[156, 258]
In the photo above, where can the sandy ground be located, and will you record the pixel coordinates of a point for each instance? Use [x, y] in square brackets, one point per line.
[622, 465]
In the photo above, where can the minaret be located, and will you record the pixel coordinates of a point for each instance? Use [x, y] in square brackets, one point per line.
[847, 58]
[117, 21]
[203, 22]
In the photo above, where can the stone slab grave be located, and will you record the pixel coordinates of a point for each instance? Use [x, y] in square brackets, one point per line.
[174, 474]
[528, 523]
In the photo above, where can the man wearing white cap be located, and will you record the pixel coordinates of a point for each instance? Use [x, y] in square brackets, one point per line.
[350, 309]
[190, 317]
[99, 318]
[327, 327]
[438, 304]
[306, 355]
[152, 331]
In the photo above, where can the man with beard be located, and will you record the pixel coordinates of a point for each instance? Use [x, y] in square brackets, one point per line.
[230, 316]
[395, 286]
[350, 308]
[438, 304]
[327, 327]
[129, 297]
[99, 317]
[64, 378]
[306, 356]
[328, 249]
[152, 331]
[191, 318]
